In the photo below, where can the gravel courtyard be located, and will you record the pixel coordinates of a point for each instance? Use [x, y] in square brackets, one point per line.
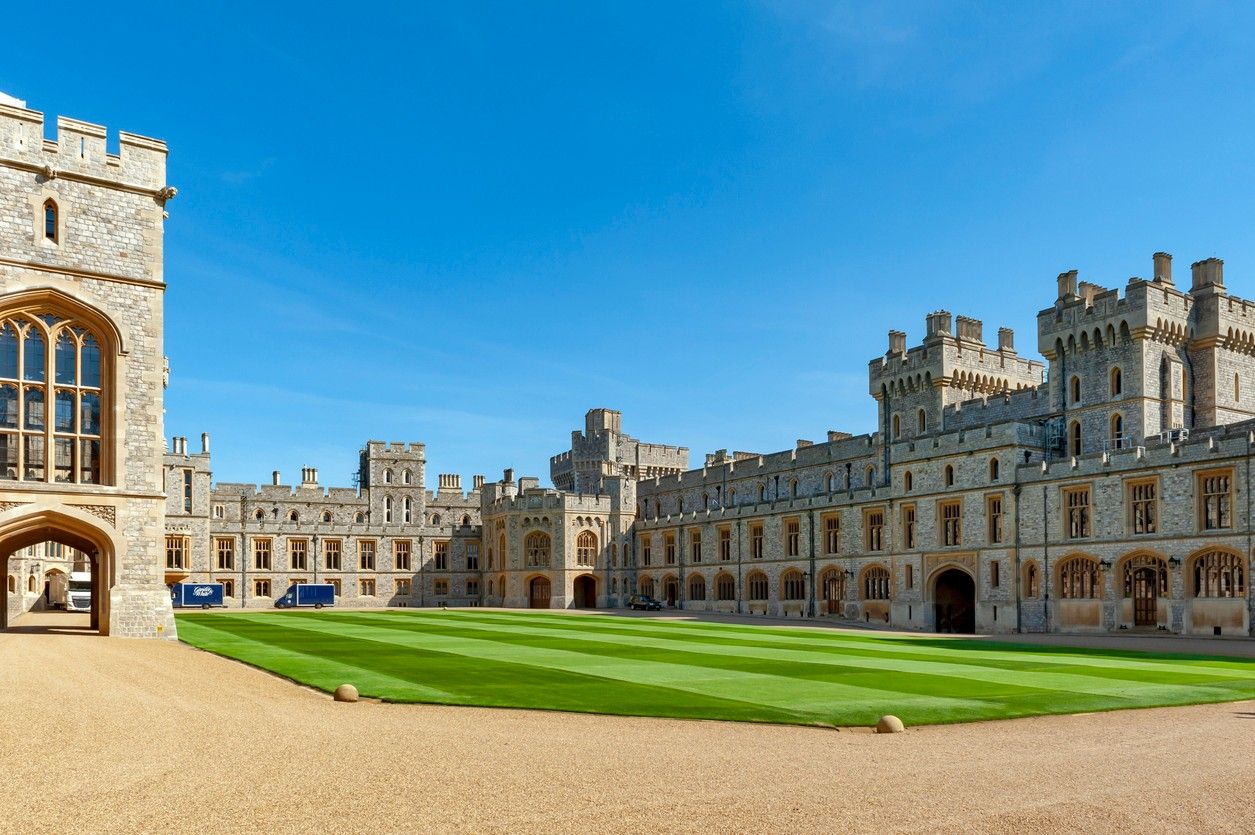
[109, 734]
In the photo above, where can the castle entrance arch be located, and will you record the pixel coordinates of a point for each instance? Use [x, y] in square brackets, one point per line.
[52, 526]
[539, 592]
[585, 592]
[954, 600]
[1145, 597]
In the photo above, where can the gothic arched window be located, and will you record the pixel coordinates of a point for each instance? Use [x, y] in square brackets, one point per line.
[52, 228]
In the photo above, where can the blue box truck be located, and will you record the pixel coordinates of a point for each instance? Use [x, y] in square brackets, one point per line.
[197, 595]
[307, 594]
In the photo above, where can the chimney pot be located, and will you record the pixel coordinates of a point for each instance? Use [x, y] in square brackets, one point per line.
[1163, 268]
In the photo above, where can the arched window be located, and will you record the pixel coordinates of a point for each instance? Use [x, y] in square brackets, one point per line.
[326, 515]
[793, 488]
[1117, 431]
[876, 583]
[869, 476]
[897, 426]
[1133, 566]
[697, 587]
[405, 479]
[52, 226]
[586, 549]
[993, 469]
[387, 476]
[725, 587]
[259, 514]
[1217, 574]
[501, 550]
[908, 481]
[793, 586]
[293, 516]
[30, 583]
[407, 510]
[949, 475]
[52, 399]
[1075, 437]
[387, 510]
[762, 492]
[1237, 389]
[466, 521]
[1117, 383]
[435, 519]
[12, 584]
[646, 586]
[1075, 389]
[536, 549]
[921, 420]
[1078, 579]
[1031, 580]
[756, 583]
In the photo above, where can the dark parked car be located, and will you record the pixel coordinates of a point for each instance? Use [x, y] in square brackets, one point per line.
[644, 602]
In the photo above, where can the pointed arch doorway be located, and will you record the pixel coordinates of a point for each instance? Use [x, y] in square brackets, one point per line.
[52, 526]
[954, 601]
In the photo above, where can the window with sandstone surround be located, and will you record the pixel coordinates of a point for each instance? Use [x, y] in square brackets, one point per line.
[298, 550]
[756, 541]
[874, 529]
[993, 516]
[1143, 503]
[176, 552]
[52, 224]
[441, 588]
[792, 536]
[995, 574]
[331, 554]
[537, 549]
[832, 534]
[472, 588]
[875, 585]
[334, 582]
[695, 544]
[261, 588]
[472, 556]
[910, 576]
[950, 522]
[756, 584]
[647, 550]
[1078, 578]
[225, 548]
[1217, 574]
[366, 554]
[440, 549]
[261, 554]
[725, 587]
[697, 587]
[586, 549]
[228, 586]
[403, 586]
[725, 544]
[366, 588]
[1215, 490]
[668, 548]
[793, 586]
[1076, 512]
[54, 403]
[908, 526]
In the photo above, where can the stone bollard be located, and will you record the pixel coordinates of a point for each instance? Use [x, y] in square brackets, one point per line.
[888, 724]
[347, 693]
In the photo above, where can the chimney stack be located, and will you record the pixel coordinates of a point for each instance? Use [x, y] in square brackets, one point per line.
[1207, 273]
[938, 323]
[1067, 286]
[1006, 340]
[509, 475]
[1163, 268]
[309, 476]
[971, 330]
[477, 481]
[274, 478]
[897, 343]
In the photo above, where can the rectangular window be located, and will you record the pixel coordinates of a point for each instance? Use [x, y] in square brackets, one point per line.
[401, 554]
[261, 588]
[756, 540]
[910, 576]
[335, 584]
[472, 588]
[874, 529]
[366, 554]
[187, 491]
[1076, 507]
[1216, 512]
[219, 511]
[995, 574]
[1143, 506]
[261, 554]
[331, 555]
[792, 537]
[647, 550]
[403, 585]
[441, 550]
[908, 525]
[950, 522]
[228, 586]
[725, 544]
[993, 513]
[832, 534]
[668, 548]
[441, 588]
[298, 550]
[366, 588]
[176, 552]
[472, 556]
[695, 545]
[225, 548]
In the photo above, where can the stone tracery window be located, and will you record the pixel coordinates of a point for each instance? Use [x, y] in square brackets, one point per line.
[793, 586]
[876, 583]
[1078, 578]
[52, 397]
[536, 549]
[1218, 574]
[1155, 564]
[586, 549]
[756, 585]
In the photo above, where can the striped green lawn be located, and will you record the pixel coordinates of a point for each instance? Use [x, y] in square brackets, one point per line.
[631, 666]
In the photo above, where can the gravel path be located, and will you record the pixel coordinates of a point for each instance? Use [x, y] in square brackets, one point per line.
[109, 734]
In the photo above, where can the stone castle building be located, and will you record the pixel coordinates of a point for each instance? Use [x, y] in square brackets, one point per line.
[81, 363]
[1106, 489]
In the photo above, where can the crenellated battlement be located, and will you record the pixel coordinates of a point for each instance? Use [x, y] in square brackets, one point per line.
[79, 152]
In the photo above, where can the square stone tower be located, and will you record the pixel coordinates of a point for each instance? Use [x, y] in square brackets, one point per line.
[82, 369]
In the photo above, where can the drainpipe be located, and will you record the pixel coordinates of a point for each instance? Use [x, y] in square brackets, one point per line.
[1019, 602]
[1045, 548]
[740, 532]
[1250, 587]
[810, 606]
[679, 558]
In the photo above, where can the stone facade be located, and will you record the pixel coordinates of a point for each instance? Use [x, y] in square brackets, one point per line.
[81, 304]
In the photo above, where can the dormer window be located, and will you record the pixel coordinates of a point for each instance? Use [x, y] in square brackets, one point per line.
[50, 221]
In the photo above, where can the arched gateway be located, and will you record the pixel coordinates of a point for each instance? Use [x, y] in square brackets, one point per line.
[585, 592]
[954, 599]
[82, 367]
[539, 591]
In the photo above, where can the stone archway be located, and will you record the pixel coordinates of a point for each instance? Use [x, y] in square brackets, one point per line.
[954, 601]
[585, 596]
[79, 534]
[539, 592]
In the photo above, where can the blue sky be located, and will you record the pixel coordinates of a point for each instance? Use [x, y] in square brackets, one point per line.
[468, 223]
